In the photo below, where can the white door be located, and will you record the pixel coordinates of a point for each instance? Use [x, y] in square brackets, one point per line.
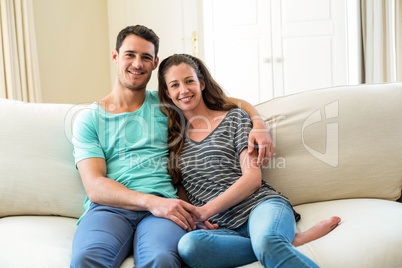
[310, 45]
[237, 41]
[259, 49]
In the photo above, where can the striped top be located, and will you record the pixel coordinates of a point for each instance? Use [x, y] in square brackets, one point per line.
[212, 165]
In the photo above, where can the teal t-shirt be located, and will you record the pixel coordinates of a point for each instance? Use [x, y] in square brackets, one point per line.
[134, 146]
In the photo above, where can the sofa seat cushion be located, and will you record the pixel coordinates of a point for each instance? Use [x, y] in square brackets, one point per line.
[36, 241]
[369, 236]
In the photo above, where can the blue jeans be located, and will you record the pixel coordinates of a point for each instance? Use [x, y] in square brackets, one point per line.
[266, 237]
[106, 236]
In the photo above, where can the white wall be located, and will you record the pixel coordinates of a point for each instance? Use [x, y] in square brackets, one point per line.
[75, 40]
[73, 49]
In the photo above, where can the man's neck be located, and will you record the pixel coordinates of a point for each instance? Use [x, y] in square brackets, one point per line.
[122, 100]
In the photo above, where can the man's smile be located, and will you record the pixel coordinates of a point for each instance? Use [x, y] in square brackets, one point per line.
[135, 72]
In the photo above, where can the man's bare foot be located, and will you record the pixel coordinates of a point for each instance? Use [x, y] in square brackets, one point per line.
[319, 230]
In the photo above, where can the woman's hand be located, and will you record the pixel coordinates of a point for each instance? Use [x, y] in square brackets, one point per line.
[203, 213]
[202, 221]
[206, 225]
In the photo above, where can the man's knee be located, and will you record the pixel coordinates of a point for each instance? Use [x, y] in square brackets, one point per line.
[86, 258]
[167, 259]
[161, 259]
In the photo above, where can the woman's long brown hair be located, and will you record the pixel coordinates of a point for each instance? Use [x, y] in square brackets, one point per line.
[213, 96]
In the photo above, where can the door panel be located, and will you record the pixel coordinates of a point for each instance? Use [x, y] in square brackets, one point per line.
[307, 63]
[237, 47]
[286, 46]
[307, 36]
[234, 12]
[229, 57]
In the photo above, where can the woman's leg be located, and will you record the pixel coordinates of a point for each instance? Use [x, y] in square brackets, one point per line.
[216, 248]
[272, 229]
[317, 231]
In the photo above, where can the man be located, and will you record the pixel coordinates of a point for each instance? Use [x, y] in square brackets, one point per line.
[120, 148]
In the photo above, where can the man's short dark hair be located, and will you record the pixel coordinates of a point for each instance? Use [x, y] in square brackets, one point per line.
[140, 31]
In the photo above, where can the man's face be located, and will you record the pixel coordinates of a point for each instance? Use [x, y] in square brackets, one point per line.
[135, 62]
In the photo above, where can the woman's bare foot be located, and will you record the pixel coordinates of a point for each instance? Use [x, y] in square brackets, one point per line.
[319, 230]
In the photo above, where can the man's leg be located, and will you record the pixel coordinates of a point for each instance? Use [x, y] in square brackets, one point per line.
[103, 238]
[155, 243]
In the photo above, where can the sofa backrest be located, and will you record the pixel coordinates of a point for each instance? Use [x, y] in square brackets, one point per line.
[37, 172]
[335, 143]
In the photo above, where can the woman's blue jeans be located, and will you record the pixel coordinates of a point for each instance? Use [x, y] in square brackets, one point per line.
[266, 237]
[106, 236]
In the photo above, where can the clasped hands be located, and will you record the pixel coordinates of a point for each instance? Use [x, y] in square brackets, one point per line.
[184, 214]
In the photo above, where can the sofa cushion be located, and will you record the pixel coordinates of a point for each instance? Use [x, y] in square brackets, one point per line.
[36, 241]
[369, 236]
[359, 241]
[335, 143]
[37, 172]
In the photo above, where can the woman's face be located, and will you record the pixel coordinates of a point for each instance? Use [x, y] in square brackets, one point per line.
[184, 88]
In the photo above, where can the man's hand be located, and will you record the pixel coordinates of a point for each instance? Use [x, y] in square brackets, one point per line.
[176, 210]
[259, 135]
[263, 140]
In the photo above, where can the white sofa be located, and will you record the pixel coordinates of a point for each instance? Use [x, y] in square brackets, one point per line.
[338, 152]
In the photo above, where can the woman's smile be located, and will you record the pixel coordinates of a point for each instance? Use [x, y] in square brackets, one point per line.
[186, 99]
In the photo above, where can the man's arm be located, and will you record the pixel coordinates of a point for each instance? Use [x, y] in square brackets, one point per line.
[108, 192]
[259, 134]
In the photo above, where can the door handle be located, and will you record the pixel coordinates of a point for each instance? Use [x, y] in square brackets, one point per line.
[194, 39]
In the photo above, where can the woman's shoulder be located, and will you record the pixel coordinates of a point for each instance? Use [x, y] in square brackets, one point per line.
[238, 113]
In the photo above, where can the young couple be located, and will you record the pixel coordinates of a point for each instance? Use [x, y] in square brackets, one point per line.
[121, 149]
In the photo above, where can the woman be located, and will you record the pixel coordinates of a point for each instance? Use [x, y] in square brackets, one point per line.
[209, 159]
